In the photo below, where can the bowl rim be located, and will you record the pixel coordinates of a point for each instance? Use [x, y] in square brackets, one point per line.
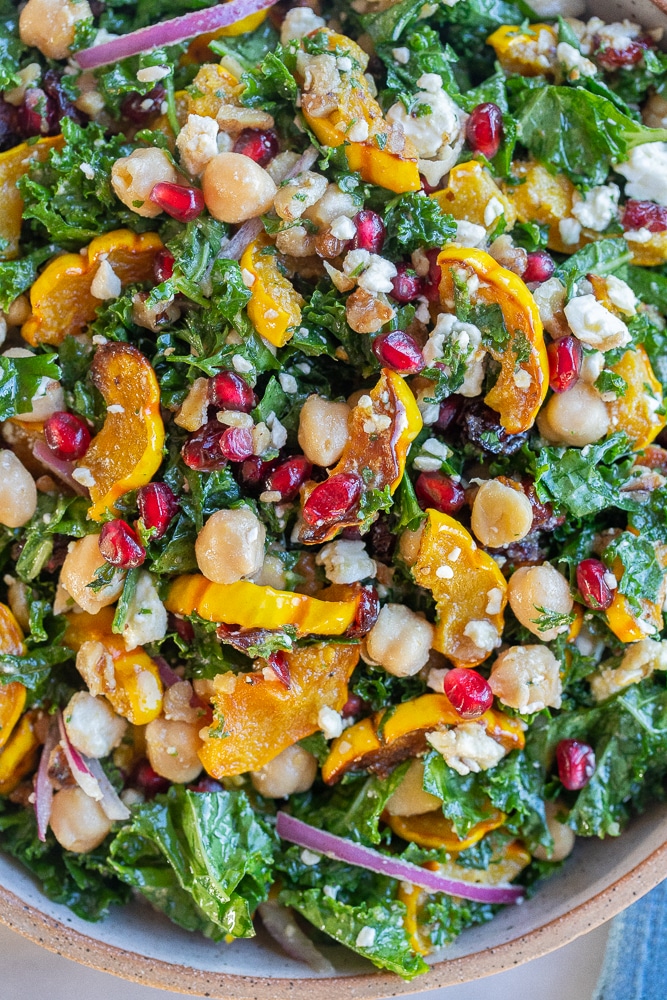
[57, 937]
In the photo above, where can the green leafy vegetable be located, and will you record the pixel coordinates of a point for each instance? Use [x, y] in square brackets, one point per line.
[21, 379]
[585, 481]
[414, 221]
[642, 573]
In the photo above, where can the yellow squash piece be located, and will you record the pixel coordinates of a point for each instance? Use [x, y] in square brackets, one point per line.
[383, 740]
[545, 198]
[199, 51]
[529, 51]
[61, 299]
[19, 756]
[384, 157]
[213, 86]
[136, 689]
[250, 605]
[470, 188]
[14, 163]
[13, 695]
[258, 717]
[651, 253]
[274, 308]
[463, 598]
[621, 617]
[636, 411]
[434, 830]
[524, 354]
[127, 452]
[373, 451]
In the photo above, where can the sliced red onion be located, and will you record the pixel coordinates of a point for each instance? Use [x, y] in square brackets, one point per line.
[90, 777]
[280, 924]
[111, 802]
[43, 787]
[304, 162]
[60, 468]
[177, 29]
[321, 842]
[168, 675]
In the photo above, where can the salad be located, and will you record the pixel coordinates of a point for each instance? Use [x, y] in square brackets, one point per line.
[333, 501]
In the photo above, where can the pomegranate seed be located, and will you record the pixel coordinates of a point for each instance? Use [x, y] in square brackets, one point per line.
[149, 781]
[333, 499]
[612, 59]
[120, 545]
[66, 435]
[163, 265]
[157, 505]
[138, 108]
[261, 145]
[576, 764]
[352, 706]
[366, 615]
[540, 266]
[254, 470]
[407, 285]
[644, 215]
[400, 351]
[430, 188]
[35, 114]
[370, 231]
[484, 129]
[565, 357]
[594, 589]
[179, 201]
[181, 627]
[288, 477]
[228, 391]
[202, 449]
[432, 283]
[280, 666]
[440, 492]
[468, 692]
[449, 409]
[236, 443]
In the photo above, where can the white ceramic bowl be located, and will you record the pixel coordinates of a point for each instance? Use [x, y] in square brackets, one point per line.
[598, 880]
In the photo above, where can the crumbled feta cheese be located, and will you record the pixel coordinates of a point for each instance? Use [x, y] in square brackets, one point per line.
[401, 55]
[573, 61]
[642, 235]
[342, 228]
[299, 21]
[366, 937]
[434, 124]
[598, 207]
[84, 477]
[646, 172]
[240, 364]
[106, 283]
[330, 722]
[358, 132]
[469, 234]
[570, 231]
[146, 619]
[436, 679]
[372, 272]
[92, 726]
[493, 210]
[591, 366]
[278, 432]
[344, 64]
[330, 890]
[522, 379]
[483, 634]
[87, 171]
[621, 295]
[346, 561]
[595, 325]
[467, 337]
[639, 661]
[467, 748]
[494, 601]
[309, 857]
[197, 143]
[288, 383]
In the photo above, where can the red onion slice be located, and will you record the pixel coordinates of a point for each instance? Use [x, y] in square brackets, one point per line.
[339, 849]
[280, 924]
[111, 802]
[90, 777]
[43, 787]
[168, 675]
[177, 29]
[60, 468]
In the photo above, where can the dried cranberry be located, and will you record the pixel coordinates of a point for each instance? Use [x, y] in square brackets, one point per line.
[120, 545]
[280, 666]
[236, 443]
[352, 706]
[163, 265]
[202, 449]
[400, 351]
[181, 202]
[157, 505]
[644, 215]
[449, 410]
[469, 692]
[380, 539]
[440, 492]
[9, 126]
[36, 113]
[66, 435]
[432, 282]
[544, 518]
[407, 285]
[576, 764]
[565, 357]
[139, 108]
[60, 105]
[288, 477]
[181, 627]
[481, 426]
[611, 59]
[540, 266]
[261, 145]
[333, 499]
[228, 391]
[149, 781]
[366, 615]
[484, 129]
[592, 584]
[253, 471]
[370, 231]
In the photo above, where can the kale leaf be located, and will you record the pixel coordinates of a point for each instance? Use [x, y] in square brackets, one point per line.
[601, 257]
[415, 221]
[585, 481]
[20, 380]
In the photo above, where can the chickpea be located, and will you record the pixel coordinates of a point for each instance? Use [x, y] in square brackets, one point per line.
[331, 205]
[400, 641]
[563, 835]
[500, 514]
[18, 493]
[78, 822]
[410, 799]
[230, 546]
[49, 397]
[177, 705]
[527, 678]
[172, 748]
[49, 25]
[82, 560]
[17, 598]
[409, 545]
[323, 430]
[290, 772]
[133, 178]
[298, 194]
[92, 725]
[577, 417]
[533, 587]
[19, 311]
[236, 188]
[296, 242]
[272, 573]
